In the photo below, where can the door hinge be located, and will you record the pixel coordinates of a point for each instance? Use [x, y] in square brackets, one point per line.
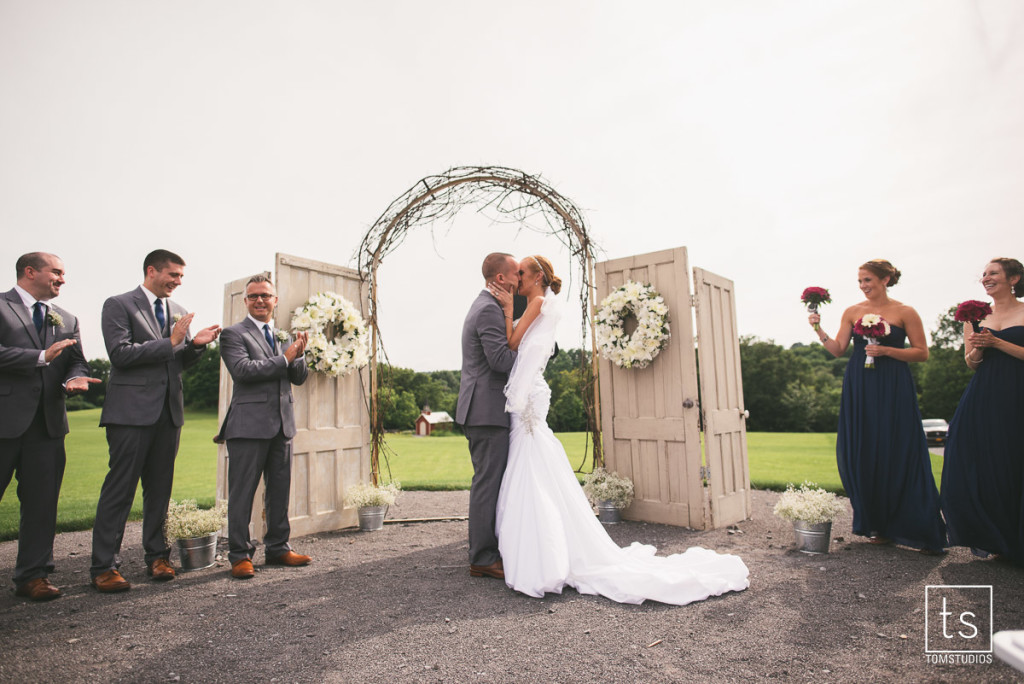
[705, 472]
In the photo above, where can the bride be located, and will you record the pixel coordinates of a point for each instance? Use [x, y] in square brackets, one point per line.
[547, 533]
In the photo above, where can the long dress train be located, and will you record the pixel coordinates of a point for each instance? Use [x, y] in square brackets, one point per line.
[983, 472]
[548, 535]
[882, 452]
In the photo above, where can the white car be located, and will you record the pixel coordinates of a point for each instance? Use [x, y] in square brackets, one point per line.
[935, 431]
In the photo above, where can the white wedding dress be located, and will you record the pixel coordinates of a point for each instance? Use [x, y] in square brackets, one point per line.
[548, 534]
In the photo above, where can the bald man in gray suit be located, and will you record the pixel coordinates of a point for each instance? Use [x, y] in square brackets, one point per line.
[148, 342]
[486, 362]
[41, 360]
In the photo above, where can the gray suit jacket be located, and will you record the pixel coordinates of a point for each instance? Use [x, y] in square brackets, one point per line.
[23, 384]
[261, 402]
[144, 368]
[486, 362]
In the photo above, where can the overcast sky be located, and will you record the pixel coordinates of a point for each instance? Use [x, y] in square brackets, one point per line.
[782, 142]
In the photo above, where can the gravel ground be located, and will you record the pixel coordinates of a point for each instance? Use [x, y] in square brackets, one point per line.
[399, 606]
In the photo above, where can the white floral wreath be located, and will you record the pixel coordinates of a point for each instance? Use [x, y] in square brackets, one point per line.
[652, 331]
[347, 349]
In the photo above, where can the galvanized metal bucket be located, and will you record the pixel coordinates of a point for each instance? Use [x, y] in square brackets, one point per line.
[608, 513]
[812, 538]
[197, 553]
[371, 518]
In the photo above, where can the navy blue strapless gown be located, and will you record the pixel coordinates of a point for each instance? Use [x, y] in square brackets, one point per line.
[983, 473]
[882, 453]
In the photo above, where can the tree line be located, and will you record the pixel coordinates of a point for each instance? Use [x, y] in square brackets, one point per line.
[785, 390]
[798, 389]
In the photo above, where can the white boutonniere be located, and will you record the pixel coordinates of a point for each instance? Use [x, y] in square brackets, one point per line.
[54, 319]
[281, 335]
[176, 317]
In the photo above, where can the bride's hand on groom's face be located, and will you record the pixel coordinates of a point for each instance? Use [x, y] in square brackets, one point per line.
[503, 296]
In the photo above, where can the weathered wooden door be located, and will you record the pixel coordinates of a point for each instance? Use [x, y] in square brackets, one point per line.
[721, 387]
[649, 416]
[330, 451]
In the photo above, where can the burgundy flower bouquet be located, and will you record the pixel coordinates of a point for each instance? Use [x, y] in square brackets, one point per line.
[813, 297]
[871, 327]
[972, 311]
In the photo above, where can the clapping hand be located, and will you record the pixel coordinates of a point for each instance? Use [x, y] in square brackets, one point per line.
[297, 347]
[76, 385]
[55, 349]
[180, 332]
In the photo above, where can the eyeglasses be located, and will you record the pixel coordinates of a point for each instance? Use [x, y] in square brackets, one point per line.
[264, 297]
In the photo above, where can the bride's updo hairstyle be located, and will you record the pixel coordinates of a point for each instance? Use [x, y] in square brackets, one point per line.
[538, 264]
[1012, 267]
[882, 269]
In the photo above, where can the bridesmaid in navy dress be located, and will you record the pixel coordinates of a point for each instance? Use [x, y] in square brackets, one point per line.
[983, 474]
[880, 446]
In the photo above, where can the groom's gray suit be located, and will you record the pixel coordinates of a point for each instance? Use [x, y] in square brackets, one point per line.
[258, 428]
[143, 413]
[486, 362]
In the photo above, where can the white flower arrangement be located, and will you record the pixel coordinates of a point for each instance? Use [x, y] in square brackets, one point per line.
[281, 335]
[185, 520]
[810, 504]
[54, 318]
[600, 485]
[176, 317]
[338, 340]
[652, 332]
[366, 494]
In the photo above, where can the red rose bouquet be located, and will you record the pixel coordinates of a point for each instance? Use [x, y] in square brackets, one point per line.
[813, 297]
[871, 327]
[972, 311]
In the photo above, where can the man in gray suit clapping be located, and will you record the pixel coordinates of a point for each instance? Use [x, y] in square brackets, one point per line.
[148, 342]
[41, 360]
[259, 427]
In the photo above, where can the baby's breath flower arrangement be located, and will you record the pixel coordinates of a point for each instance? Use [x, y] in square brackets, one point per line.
[185, 520]
[600, 485]
[338, 341]
[54, 318]
[366, 494]
[638, 349]
[810, 504]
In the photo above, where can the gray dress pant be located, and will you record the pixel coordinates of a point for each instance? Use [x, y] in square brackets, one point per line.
[38, 461]
[488, 447]
[145, 452]
[248, 461]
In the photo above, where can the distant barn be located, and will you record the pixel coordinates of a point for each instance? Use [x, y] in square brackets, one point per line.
[428, 422]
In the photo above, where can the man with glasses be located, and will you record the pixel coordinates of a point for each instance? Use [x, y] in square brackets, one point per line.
[148, 342]
[264, 363]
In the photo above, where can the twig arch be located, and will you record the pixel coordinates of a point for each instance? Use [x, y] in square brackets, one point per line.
[512, 193]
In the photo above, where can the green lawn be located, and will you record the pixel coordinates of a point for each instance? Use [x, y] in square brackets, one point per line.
[439, 462]
[195, 472]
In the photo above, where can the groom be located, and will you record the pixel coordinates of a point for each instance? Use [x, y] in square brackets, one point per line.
[486, 362]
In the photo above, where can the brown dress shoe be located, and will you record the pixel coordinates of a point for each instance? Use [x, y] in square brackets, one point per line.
[110, 582]
[289, 558]
[38, 589]
[242, 569]
[495, 570]
[161, 570]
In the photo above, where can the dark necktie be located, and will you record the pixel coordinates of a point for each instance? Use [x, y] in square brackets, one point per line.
[160, 318]
[37, 316]
[269, 336]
